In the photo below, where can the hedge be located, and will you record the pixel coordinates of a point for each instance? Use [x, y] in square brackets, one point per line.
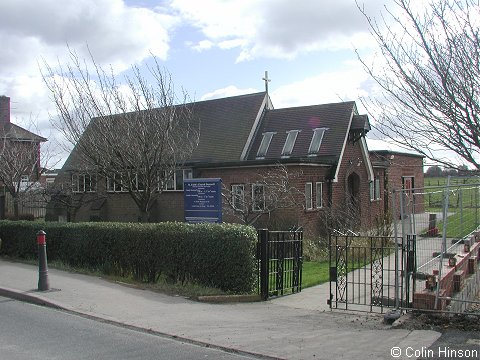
[216, 255]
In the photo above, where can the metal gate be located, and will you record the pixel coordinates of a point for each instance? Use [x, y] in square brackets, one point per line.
[367, 272]
[280, 257]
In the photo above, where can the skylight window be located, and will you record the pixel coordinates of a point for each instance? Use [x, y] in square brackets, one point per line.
[316, 140]
[267, 138]
[290, 142]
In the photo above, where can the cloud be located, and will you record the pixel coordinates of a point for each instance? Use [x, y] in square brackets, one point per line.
[114, 32]
[35, 31]
[226, 92]
[345, 84]
[278, 28]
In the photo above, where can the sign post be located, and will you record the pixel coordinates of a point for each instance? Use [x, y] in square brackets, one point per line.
[203, 200]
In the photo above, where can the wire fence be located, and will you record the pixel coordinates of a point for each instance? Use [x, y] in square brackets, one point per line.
[444, 220]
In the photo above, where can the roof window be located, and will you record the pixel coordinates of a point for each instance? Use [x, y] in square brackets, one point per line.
[316, 140]
[267, 138]
[290, 142]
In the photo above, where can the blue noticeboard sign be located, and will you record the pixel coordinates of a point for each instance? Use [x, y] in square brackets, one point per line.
[203, 200]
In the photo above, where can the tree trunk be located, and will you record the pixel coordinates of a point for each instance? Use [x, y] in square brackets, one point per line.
[144, 216]
[15, 207]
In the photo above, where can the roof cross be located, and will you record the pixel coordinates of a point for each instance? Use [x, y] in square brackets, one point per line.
[267, 80]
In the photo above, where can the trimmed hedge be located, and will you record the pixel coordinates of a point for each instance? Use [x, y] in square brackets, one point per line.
[216, 255]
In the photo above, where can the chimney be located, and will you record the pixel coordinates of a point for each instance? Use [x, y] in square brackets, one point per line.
[4, 110]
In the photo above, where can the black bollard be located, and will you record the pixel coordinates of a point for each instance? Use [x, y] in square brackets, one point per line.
[43, 284]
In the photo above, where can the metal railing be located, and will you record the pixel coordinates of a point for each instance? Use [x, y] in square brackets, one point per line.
[280, 259]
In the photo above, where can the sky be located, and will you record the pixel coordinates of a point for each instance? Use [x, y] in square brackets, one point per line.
[212, 48]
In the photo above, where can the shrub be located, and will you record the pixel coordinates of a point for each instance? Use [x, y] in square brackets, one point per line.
[217, 255]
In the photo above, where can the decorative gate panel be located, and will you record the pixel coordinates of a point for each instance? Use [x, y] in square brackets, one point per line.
[366, 273]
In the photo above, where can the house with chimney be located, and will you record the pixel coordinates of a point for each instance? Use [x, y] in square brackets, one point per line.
[320, 149]
[19, 162]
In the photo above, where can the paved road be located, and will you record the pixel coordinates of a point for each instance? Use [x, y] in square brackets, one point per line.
[294, 327]
[453, 344]
[36, 333]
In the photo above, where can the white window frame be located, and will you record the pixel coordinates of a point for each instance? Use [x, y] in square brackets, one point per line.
[255, 201]
[308, 196]
[377, 189]
[319, 195]
[238, 197]
[316, 142]
[265, 144]
[289, 142]
[79, 183]
[117, 187]
[92, 183]
[172, 184]
[49, 182]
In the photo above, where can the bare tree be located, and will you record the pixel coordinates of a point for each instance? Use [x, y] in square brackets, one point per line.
[430, 74]
[264, 193]
[19, 170]
[133, 133]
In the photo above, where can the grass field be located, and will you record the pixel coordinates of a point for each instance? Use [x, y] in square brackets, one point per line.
[442, 181]
[461, 196]
[463, 203]
[314, 273]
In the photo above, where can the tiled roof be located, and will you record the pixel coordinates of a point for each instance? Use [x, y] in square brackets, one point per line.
[225, 125]
[335, 117]
[12, 131]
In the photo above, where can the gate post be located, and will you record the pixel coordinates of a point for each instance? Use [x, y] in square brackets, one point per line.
[411, 266]
[263, 237]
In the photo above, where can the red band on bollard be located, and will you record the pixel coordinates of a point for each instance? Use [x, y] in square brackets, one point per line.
[41, 238]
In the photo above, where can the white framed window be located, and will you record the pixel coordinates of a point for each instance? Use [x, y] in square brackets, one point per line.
[49, 182]
[175, 182]
[375, 190]
[84, 183]
[131, 181]
[238, 197]
[115, 183]
[169, 184]
[308, 196]
[111, 183]
[258, 197]
[263, 148]
[289, 142]
[319, 195]
[24, 182]
[90, 183]
[317, 138]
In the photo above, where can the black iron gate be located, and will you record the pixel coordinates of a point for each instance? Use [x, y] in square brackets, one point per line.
[367, 273]
[280, 259]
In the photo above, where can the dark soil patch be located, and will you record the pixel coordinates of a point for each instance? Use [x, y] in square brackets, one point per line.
[442, 322]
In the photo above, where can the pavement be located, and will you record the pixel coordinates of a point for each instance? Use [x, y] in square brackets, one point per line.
[299, 326]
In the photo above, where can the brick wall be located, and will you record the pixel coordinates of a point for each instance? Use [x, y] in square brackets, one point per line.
[461, 279]
[169, 206]
[394, 167]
